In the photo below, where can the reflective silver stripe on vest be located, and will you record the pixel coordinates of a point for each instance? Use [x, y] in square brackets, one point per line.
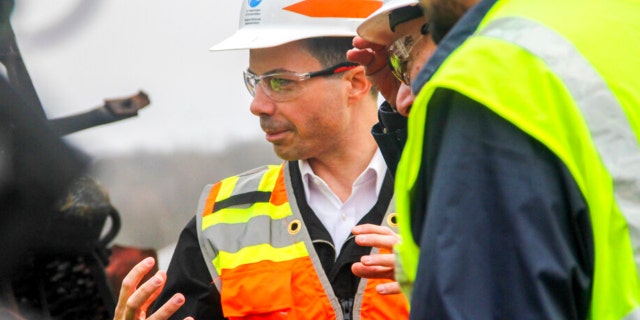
[258, 230]
[261, 229]
[249, 181]
[634, 315]
[610, 129]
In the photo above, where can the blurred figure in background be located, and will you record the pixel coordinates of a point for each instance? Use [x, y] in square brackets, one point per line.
[36, 170]
[51, 215]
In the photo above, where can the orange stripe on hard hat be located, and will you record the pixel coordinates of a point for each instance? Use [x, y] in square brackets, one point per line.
[335, 9]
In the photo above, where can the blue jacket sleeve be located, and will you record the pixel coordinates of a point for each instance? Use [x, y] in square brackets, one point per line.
[503, 229]
[188, 274]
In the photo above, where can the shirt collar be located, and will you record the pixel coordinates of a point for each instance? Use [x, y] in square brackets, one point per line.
[376, 167]
[465, 27]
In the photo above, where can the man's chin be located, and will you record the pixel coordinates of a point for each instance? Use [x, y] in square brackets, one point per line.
[283, 153]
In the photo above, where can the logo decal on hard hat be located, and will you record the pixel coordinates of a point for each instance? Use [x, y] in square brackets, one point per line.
[336, 9]
[254, 3]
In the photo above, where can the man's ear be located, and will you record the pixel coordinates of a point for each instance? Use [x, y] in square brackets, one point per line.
[360, 85]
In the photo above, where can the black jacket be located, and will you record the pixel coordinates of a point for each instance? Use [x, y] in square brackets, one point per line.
[390, 134]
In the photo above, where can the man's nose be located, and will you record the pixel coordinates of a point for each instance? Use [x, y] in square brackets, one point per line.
[404, 99]
[261, 103]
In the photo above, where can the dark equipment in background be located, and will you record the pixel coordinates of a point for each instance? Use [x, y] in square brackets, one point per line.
[52, 216]
[64, 275]
[19, 79]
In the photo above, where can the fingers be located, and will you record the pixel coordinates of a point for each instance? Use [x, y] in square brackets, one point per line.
[140, 300]
[361, 56]
[361, 43]
[129, 285]
[374, 59]
[376, 266]
[133, 278]
[382, 260]
[388, 288]
[375, 236]
[134, 300]
[385, 243]
[371, 228]
[372, 272]
[148, 292]
[371, 55]
[372, 62]
[169, 308]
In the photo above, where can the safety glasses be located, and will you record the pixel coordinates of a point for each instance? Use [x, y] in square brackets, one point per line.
[285, 85]
[399, 54]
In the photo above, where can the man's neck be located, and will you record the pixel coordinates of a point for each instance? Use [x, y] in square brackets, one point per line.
[339, 172]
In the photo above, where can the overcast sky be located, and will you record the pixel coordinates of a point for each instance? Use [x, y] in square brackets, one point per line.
[79, 52]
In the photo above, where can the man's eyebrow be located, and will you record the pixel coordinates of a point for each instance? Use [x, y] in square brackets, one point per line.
[278, 70]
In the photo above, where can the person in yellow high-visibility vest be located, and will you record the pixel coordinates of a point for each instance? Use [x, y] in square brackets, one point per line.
[519, 187]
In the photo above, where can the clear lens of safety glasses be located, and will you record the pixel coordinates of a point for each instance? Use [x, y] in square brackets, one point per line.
[399, 54]
[286, 85]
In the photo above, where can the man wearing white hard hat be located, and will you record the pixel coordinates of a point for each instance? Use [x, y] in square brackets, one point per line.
[275, 242]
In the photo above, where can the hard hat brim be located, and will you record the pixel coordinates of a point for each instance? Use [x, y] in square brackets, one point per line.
[376, 27]
[261, 37]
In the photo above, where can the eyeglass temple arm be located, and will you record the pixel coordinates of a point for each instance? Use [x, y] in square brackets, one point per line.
[341, 67]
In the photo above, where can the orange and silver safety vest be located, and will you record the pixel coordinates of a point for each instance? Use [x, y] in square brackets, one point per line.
[261, 257]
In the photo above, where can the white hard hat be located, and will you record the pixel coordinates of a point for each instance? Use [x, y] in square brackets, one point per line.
[269, 23]
[376, 27]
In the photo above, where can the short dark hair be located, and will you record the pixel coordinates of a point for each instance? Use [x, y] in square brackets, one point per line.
[330, 51]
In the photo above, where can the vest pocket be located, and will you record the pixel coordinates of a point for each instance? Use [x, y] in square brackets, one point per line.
[256, 291]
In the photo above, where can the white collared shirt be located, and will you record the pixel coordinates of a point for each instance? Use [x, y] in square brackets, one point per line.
[337, 217]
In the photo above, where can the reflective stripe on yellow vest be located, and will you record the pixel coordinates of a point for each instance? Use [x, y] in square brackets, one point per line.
[577, 96]
[262, 259]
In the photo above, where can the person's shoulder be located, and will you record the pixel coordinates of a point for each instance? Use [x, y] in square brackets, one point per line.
[258, 171]
[239, 190]
[251, 174]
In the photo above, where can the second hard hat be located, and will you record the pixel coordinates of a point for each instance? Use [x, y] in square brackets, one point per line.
[378, 26]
